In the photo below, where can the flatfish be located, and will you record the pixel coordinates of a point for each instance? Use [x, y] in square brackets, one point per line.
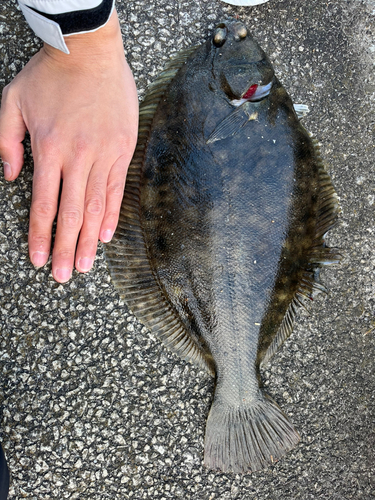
[221, 233]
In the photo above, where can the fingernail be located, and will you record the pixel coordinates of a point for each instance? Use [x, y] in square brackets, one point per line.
[7, 170]
[62, 274]
[106, 236]
[85, 264]
[39, 258]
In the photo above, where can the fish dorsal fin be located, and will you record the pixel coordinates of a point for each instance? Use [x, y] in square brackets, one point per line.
[157, 88]
[127, 256]
[319, 255]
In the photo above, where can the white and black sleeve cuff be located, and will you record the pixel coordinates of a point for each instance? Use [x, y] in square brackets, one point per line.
[52, 20]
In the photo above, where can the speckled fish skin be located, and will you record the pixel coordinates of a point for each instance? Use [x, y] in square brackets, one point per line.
[230, 211]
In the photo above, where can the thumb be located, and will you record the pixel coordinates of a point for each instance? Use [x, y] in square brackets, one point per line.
[12, 133]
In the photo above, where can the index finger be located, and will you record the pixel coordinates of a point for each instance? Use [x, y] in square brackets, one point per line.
[45, 193]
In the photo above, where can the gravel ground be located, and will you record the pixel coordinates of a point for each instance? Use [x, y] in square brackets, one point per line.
[93, 406]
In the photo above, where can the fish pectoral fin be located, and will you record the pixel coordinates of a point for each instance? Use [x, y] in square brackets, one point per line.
[301, 110]
[232, 123]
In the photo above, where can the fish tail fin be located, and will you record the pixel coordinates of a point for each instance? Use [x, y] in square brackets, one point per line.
[247, 438]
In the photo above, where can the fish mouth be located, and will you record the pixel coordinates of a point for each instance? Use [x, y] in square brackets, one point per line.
[253, 93]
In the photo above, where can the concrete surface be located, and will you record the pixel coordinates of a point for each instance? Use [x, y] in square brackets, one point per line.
[95, 408]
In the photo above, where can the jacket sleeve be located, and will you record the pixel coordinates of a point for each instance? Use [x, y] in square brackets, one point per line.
[52, 20]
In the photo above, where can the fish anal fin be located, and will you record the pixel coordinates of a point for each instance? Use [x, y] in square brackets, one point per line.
[246, 438]
[318, 256]
[327, 217]
[284, 331]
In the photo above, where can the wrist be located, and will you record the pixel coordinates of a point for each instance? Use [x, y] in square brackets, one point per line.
[85, 48]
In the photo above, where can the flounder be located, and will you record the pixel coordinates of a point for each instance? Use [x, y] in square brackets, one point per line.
[221, 232]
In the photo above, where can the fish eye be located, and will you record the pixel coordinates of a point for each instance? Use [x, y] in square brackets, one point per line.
[220, 35]
[242, 32]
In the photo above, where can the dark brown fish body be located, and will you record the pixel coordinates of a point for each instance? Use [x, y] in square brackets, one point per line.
[224, 212]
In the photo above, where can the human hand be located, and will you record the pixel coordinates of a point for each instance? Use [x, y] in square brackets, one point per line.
[81, 111]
